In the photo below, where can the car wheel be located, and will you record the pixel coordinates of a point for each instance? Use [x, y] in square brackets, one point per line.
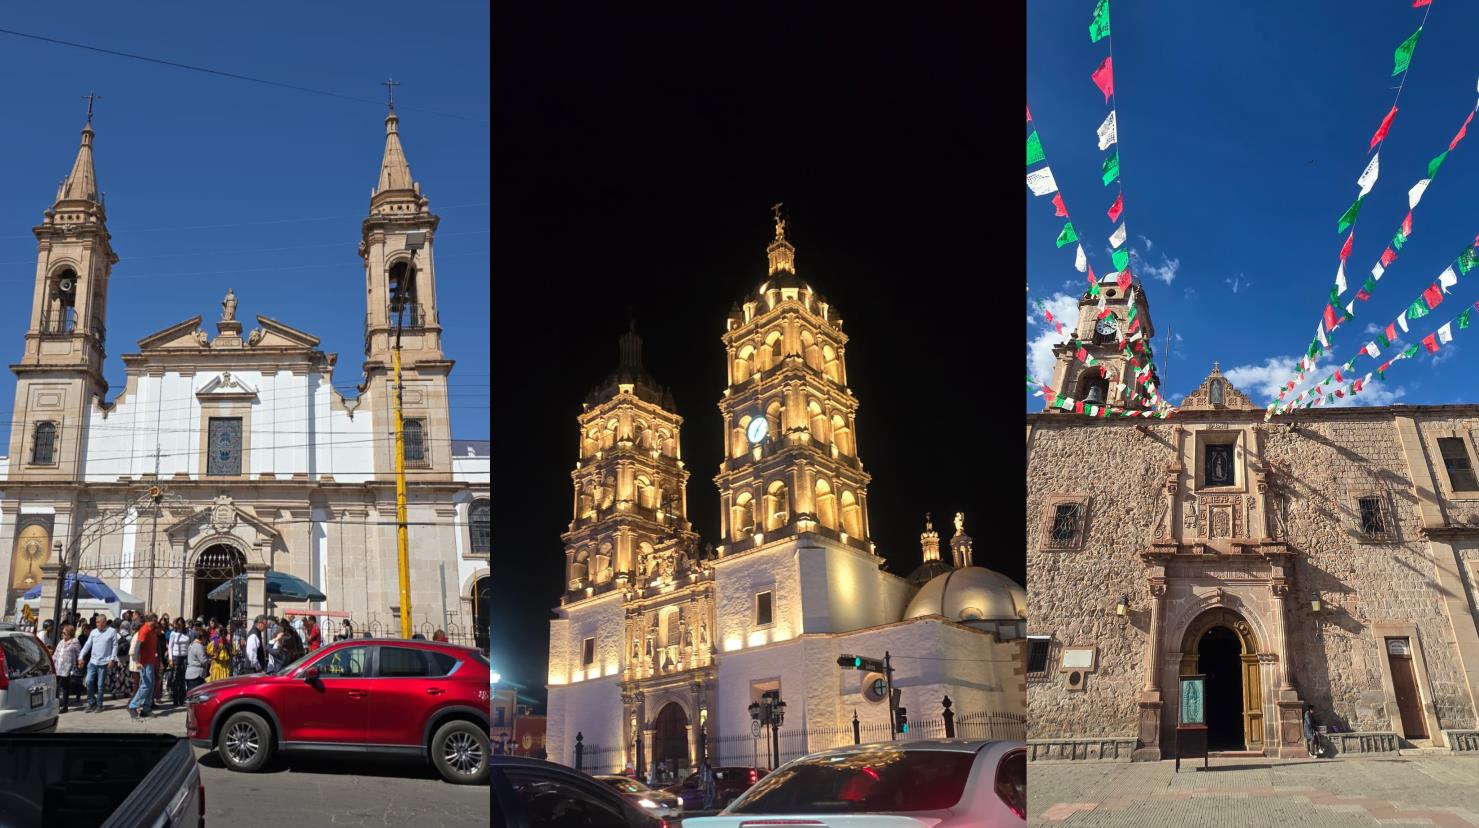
[245, 742]
[460, 752]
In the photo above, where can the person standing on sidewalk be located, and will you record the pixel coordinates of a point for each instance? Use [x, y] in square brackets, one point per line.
[100, 654]
[197, 663]
[314, 639]
[1311, 732]
[179, 650]
[65, 663]
[220, 653]
[147, 645]
[256, 646]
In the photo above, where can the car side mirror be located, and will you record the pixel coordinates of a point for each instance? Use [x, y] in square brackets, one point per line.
[311, 674]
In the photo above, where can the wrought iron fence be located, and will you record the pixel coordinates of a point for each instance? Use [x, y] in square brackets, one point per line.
[376, 627]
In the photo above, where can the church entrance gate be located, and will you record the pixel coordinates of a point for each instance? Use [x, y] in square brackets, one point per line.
[670, 743]
[1220, 644]
[216, 565]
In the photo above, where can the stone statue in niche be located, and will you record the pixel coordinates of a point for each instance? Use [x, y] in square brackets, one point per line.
[1189, 513]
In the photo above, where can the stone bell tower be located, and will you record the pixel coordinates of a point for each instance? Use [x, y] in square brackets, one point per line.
[1108, 323]
[397, 246]
[631, 501]
[60, 375]
[790, 420]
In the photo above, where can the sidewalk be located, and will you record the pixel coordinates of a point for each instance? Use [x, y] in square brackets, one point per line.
[115, 719]
[1249, 793]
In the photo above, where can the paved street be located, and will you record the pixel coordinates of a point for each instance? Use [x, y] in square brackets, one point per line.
[1249, 793]
[312, 790]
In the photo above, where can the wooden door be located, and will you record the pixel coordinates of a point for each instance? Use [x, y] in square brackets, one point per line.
[1252, 703]
[1404, 681]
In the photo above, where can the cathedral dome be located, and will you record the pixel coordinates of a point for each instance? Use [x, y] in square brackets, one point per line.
[969, 594]
[926, 572]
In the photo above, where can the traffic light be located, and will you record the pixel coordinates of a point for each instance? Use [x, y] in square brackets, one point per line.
[903, 720]
[853, 662]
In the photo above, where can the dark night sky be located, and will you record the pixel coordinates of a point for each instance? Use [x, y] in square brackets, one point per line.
[633, 177]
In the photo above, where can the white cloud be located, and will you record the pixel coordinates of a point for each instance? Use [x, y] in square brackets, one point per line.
[1040, 359]
[1445, 353]
[1149, 245]
[1239, 283]
[1190, 294]
[1262, 382]
[1178, 337]
[1165, 271]
[1373, 328]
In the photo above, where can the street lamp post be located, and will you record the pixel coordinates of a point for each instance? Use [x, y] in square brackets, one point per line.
[414, 241]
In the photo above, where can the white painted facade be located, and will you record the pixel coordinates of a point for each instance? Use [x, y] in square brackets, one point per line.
[313, 492]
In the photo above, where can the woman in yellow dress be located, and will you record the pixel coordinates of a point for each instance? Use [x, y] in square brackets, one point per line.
[219, 651]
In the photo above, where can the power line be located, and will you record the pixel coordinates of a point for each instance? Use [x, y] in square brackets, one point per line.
[232, 75]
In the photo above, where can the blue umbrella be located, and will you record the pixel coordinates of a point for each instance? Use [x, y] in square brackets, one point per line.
[280, 587]
[92, 587]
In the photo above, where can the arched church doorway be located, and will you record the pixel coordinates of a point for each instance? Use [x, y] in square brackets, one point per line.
[1219, 644]
[214, 566]
[670, 743]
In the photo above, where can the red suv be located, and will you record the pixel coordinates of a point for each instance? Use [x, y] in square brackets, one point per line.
[387, 697]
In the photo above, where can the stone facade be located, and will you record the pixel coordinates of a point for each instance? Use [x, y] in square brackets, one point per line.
[255, 461]
[1327, 552]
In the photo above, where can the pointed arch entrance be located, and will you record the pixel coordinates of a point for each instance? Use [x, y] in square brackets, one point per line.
[1220, 644]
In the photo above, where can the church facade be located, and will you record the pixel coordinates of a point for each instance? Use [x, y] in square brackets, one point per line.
[1328, 557]
[232, 454]
[662, 641]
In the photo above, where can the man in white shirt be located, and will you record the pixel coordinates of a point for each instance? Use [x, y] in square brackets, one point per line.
[98, 652]
[256, 646]
[179, 646]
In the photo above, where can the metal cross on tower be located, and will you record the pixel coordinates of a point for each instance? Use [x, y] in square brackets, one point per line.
[390, 84]
[90, 97]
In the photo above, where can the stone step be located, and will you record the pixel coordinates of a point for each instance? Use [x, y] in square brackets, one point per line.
[1424, 751]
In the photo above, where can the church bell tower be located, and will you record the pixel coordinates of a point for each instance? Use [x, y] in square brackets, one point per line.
[60, 375]
[1093, 366]
[397, 247]
[790, 421]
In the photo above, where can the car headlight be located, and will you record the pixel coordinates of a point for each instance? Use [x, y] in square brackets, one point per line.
[198, 698]
[647, 803]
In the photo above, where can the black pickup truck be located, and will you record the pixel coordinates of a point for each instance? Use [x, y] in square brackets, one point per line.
[99, 779]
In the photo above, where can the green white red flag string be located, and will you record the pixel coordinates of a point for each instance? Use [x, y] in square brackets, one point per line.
[1332, 315]
[1112, 171]
[1423, 305]
[1041, 183]
[1066, 403]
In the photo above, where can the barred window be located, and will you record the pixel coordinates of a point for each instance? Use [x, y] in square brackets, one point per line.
[43, 445]
[481, 526]
[223, 446]
[1456, 461]
[1067, 525]
[1038, 647]
[1373, 521]
[414, 440]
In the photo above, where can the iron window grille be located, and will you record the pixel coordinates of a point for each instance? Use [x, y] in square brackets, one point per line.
[43, 445]
[1039, 647]
[1373, 518]
[414, 442]
[1067, 529]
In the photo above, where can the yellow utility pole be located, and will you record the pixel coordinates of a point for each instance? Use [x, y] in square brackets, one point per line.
[414, 242]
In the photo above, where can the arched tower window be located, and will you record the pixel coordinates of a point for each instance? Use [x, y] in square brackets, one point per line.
[61, 306]
[819, 422]
[852, 515]
[402, 293]
[646, 493]
[775, 413]
[480, 526]
[669, 444]
[831, 366]
[1090, 380]
[826, 504]
[578, 568]
[739, 444]
[743, 519]
[777, 506]
[601, 564]
[43, 445]
[608, 438]
[773, 353]
[810, 351]
[744, 364]
[842, 436]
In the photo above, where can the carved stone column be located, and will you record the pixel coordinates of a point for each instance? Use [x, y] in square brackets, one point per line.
[1149, 734]
[1291, 710]
[651, 770]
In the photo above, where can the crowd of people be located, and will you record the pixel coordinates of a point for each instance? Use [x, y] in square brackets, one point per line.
[139, 655]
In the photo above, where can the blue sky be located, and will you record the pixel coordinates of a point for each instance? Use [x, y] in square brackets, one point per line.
[1243, 130]
[214, 183]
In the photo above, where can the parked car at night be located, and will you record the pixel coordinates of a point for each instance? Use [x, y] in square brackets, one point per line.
[659, 803]
[422, 699]
[944, 783]
[28, 701]
[729, 783]
[535, 793]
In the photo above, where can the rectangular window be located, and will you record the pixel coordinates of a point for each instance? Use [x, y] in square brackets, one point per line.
[1218, 470]
[1038, 647]
[498, 716]
[1067, 521]
[764, 609]
[1373, 522]
[1456, 461]
[588, 653]
[43, 445]
[224, 446]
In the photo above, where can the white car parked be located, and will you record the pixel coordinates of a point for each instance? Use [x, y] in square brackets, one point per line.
[944, 783]
[28, 702]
